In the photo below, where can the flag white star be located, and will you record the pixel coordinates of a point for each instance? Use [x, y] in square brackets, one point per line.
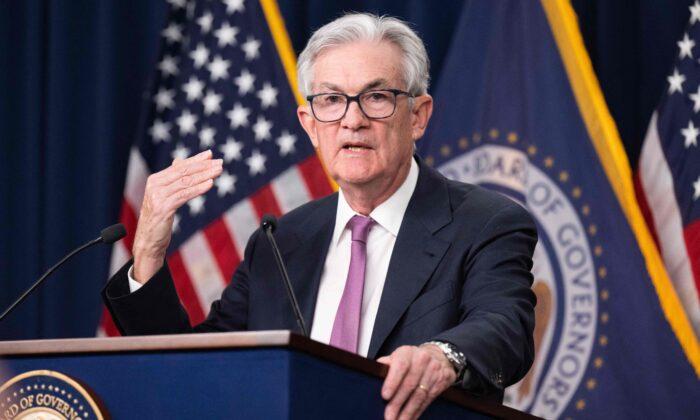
[256, 163]
[193, 88]
[186, 121]
[218, 68]
[691, 134]
[286, 143]
[176, 223]
[226, 35]
[262, 129]
[205, 22]
[180, 152]
[160, 131]
[675, 82]
[686, 47]
[168, 66]
[233, 6]
[173, 33]
[245, 82]
[238, 115]
[231, 149]
[267, 96]
[196, 205]
[695, 13]
[696, 186]
[695, 97]
[225, 184]
[251, 48]
[164, 99]
[200, 55]
[206, 137]
[212, 102]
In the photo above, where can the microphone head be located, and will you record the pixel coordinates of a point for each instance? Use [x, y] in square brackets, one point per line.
[269, 222]
[112, 234]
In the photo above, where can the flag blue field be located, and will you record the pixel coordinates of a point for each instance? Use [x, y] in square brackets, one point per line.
[519, 110]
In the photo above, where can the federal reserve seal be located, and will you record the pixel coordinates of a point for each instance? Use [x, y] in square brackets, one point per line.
[46, 395]
[567, 268]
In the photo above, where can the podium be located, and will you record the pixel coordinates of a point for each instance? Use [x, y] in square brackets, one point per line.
[245, 375]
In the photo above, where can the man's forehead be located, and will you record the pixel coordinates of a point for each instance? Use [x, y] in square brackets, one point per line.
[374, 84]
[358, 66]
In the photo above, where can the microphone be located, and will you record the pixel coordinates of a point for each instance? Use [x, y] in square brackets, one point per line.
[108, 235]
[269, 224]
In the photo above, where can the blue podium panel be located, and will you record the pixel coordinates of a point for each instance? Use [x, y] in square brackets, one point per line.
[249, 381]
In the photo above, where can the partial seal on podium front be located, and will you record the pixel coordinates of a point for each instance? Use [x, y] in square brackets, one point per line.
[47, 395]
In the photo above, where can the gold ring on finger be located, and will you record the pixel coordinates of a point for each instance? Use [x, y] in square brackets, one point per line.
[423, 387]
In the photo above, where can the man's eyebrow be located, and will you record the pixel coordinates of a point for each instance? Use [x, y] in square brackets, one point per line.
[371, 85]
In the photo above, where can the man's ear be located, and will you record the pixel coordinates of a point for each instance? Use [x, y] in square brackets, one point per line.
[308, 122]
[420, 115]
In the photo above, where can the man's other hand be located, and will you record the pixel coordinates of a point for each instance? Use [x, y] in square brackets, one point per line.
[165, 192]
[417, 375]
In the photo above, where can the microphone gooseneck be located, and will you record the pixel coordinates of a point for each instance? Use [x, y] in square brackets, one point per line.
[269, 224]
[108, 235]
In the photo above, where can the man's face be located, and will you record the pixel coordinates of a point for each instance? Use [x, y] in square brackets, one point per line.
[358, 151]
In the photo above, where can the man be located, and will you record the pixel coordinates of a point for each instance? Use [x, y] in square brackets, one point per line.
[430, 276]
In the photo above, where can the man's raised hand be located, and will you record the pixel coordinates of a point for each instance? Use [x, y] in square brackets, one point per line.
[165, 192]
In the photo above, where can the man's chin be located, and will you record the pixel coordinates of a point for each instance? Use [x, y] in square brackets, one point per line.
[354, 180]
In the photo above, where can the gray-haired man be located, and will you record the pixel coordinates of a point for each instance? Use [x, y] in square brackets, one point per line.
[429, 276]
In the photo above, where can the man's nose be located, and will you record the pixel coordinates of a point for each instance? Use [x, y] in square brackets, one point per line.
[354, 118]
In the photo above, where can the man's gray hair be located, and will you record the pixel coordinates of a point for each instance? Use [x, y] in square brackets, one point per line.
[355, 27]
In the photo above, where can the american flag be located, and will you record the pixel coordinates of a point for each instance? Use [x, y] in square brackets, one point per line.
[668, 177]
[221, 84]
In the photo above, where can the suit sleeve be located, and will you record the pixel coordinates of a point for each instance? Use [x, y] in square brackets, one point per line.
[155, 308]
[497, 303]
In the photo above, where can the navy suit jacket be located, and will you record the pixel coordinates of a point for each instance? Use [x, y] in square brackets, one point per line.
[459, 272]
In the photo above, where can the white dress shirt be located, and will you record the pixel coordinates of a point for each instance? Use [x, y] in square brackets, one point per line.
[380, 245]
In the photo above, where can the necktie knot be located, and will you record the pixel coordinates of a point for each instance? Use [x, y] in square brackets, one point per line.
[360, 226]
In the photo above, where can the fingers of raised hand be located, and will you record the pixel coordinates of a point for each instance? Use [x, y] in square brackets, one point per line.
[207, 154]
[184, 173]
[184, 195]
[172, 187]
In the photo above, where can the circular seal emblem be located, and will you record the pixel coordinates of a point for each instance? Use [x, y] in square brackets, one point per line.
[46, 395]
[564, 270]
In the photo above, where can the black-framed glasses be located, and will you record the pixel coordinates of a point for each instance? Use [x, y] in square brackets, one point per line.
[374, 104]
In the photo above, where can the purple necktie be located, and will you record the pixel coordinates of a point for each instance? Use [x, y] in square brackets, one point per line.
[346, 327]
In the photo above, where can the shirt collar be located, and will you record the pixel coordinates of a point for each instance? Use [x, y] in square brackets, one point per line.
[388, 214]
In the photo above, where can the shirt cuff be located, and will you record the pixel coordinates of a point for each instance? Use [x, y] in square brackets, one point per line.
[133, 284]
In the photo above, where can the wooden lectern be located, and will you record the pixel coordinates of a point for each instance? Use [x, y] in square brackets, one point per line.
[246, 375]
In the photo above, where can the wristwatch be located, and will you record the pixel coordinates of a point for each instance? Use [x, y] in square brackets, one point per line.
[456, 357]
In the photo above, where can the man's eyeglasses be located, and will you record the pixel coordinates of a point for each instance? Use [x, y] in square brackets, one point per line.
[374, 104]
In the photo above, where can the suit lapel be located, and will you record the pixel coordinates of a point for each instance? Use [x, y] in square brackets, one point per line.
[416, 253]
[305, 252]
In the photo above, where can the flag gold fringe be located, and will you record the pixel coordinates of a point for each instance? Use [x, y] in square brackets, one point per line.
[289, 60]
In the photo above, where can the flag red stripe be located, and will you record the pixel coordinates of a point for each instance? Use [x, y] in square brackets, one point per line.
[184, 287]
[691, 234]
[127, 217]
[221, 244]
[315, 177]
[108, 324]
[644, 207]
[264, 202]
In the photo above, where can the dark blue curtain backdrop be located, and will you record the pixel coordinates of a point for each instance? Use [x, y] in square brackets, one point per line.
[74, 76]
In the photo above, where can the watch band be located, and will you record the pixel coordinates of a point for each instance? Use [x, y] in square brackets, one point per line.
[455, 357]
